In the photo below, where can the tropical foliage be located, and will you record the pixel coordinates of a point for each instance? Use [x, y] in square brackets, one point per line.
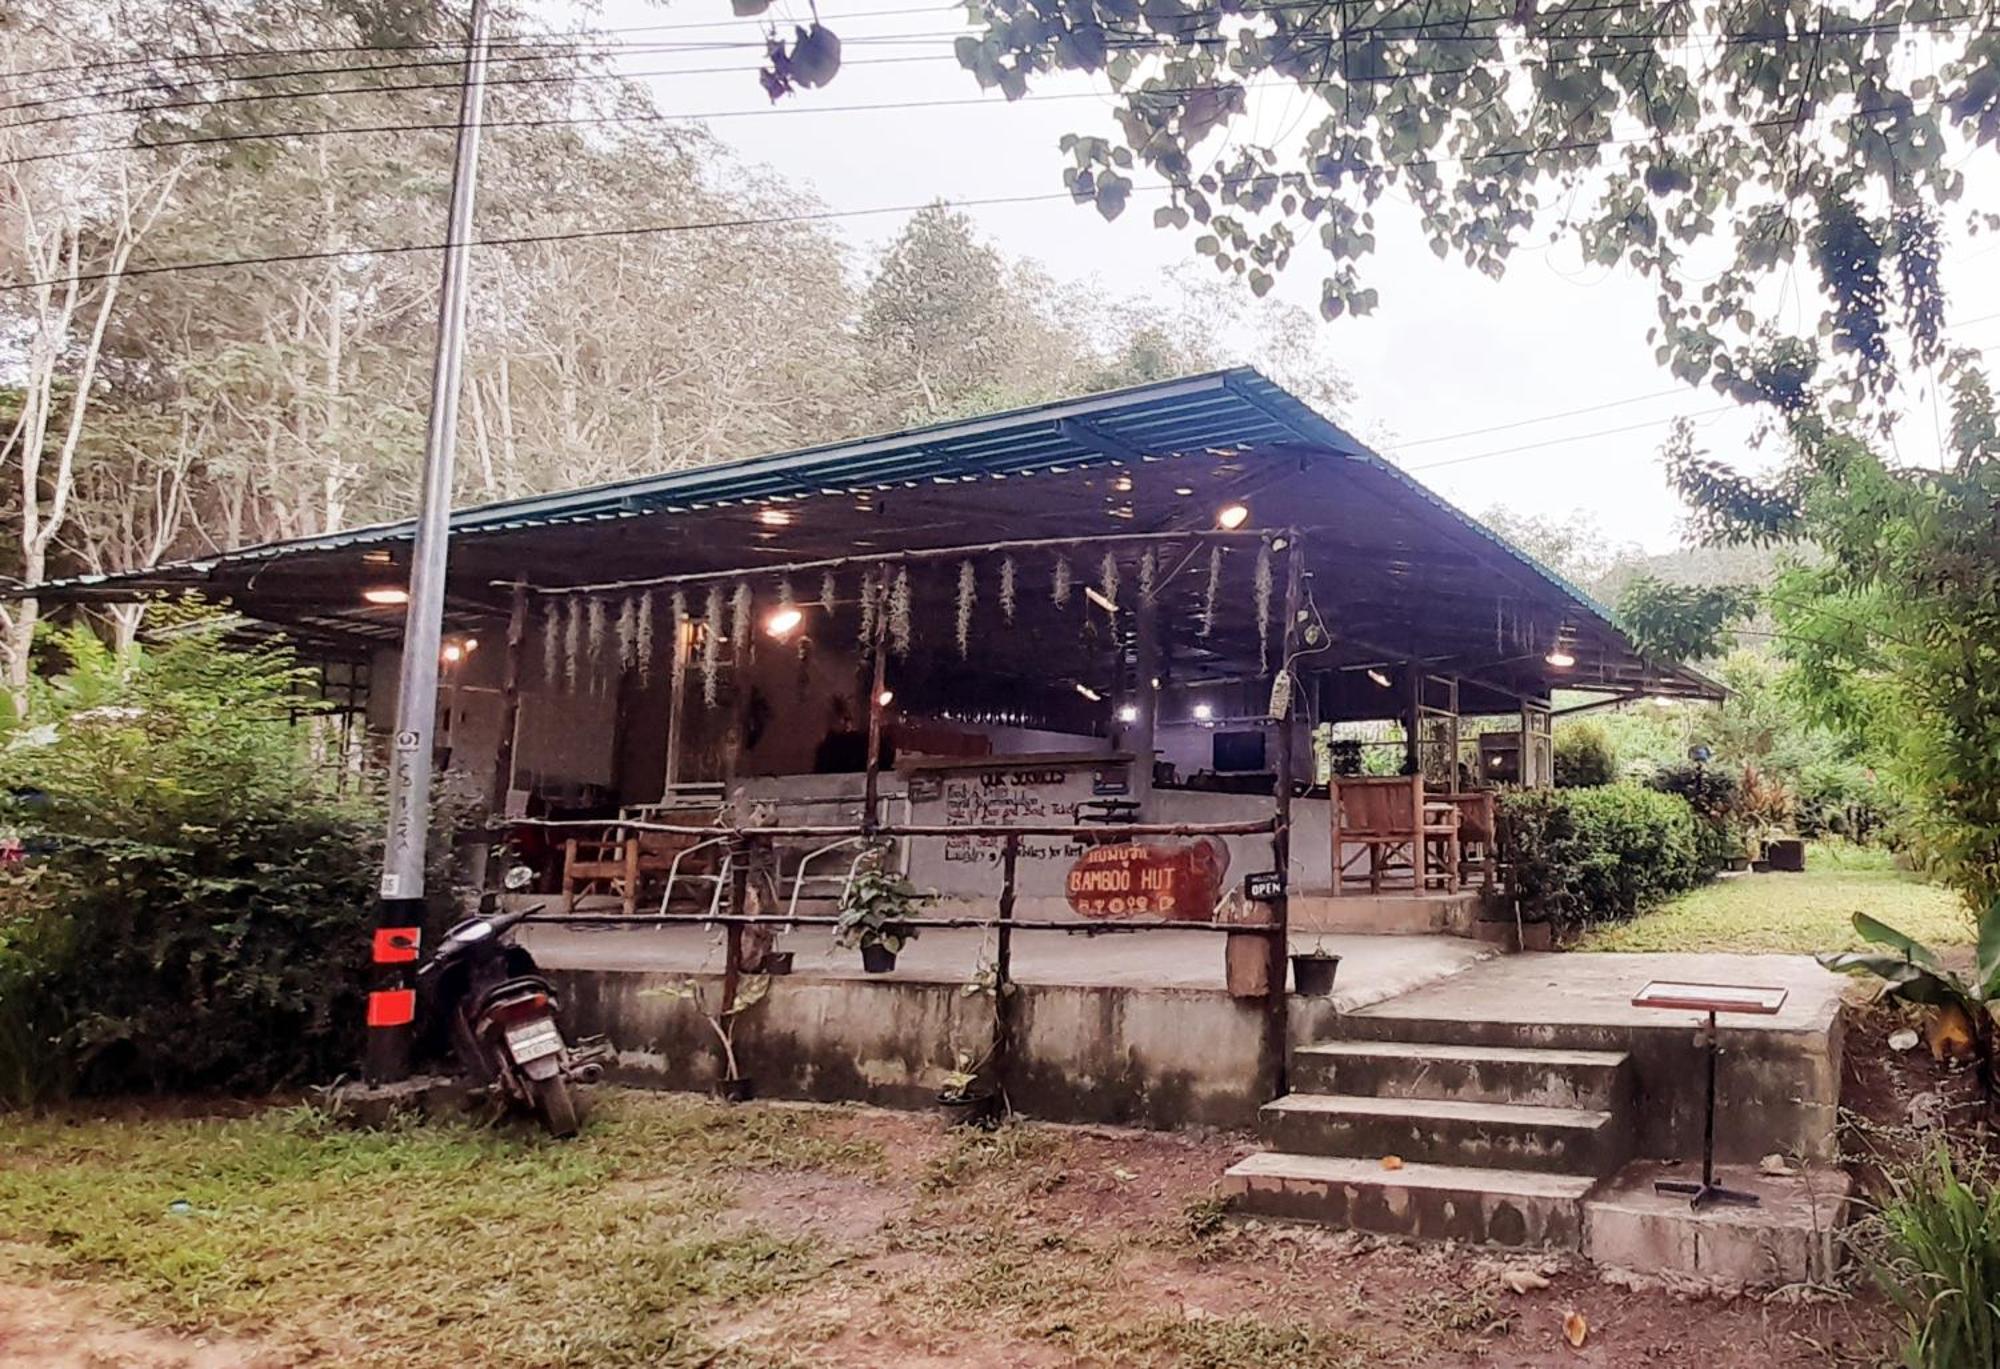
[1914, 973]
[1585, 856]
[186, 904]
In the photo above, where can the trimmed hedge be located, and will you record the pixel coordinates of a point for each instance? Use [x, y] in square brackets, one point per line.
[1579, 857]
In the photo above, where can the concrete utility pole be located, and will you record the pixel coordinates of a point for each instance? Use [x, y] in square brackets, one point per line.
[399, 915]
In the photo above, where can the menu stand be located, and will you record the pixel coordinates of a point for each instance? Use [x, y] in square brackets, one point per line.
[1711, 999]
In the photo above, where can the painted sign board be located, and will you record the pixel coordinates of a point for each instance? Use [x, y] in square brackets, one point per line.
[1142, 879]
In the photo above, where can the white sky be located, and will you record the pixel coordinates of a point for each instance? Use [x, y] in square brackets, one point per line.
[1447, 352]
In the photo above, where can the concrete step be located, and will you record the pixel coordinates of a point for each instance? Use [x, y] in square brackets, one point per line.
[1596, 1080]
[1433, 1202]
[1436, 1030]
[1445, 1131]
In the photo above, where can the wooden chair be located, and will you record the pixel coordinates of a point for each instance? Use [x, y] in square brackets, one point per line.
[1478, 835]
[604, 864]
[1390, 820]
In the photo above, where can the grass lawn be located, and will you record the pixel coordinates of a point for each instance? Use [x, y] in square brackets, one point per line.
[677, 1231]
[1804, 913]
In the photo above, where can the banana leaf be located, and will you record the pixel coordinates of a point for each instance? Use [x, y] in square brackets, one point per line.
[1903, 978]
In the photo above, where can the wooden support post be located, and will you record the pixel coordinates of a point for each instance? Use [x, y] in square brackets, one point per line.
[1413, 712]
[1003, 968]
[871, 803]
[677, 674]
[1277, 1026]
[510, 720]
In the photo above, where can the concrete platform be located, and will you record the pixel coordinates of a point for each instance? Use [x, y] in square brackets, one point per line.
[1372, 968]
[1786, 1239]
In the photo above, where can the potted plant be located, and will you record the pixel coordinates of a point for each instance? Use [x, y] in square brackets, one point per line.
[964, 1096]
[751, 989]
[875, 913]
[1313, 971]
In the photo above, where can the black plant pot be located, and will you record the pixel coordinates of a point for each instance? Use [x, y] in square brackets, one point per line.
[734, 1090]
[1760, 867]
[1312, 974]
[980, 1110]
[877, 959]
[776, 962]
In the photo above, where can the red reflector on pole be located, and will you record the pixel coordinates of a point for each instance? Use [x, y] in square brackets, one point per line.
[396, 945]
[392, 1007]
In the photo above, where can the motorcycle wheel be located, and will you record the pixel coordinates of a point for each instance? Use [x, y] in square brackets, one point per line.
[557, 1105]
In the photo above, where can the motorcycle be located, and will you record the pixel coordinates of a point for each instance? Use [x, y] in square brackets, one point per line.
[501, 1018]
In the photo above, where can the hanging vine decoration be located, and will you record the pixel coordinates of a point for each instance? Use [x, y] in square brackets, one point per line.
[551, 642]
[739, 619]
[644, 643]
[677, 669]
[1059, 583]
[899, 613]
[1107, 577]
[572, 642]
[711, 646]
[871, 589]
[600, 641]
[968, 589]
[786, 598]
[1210, 594]
[1149, 571]
[1007, 588]
[1264, 606]
[829, 593]
[628, 632]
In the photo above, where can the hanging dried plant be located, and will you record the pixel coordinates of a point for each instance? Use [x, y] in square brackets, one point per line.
[1264, 606]
[1149, 571]
[829, 593]
[677, 669]
[1214, 589]
[968, 589]
[899, 613]
[551, 642]
[739, 617]
[1107, 577]
[786, 599]
[711, 646]
[1059, 583]
[1007, 588]
[628, 632]
[871, 588]
[600, 636]
[643, 645]
[572, 642]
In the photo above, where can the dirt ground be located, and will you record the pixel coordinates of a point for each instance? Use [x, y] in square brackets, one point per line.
[1043, 1245]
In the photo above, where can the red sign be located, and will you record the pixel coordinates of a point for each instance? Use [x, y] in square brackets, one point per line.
[1134, 879]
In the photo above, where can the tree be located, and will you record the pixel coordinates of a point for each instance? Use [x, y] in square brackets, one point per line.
[1702, 145]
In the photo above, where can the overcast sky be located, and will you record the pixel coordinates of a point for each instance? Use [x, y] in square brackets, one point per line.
[1458, 377]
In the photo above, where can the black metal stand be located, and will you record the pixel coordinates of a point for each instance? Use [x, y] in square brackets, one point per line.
[1708, 1191]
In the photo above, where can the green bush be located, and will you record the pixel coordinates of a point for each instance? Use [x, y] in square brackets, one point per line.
[1938, 1234]
[1716, 798]
[191, 907]
[1578, 857]
[1584, 757]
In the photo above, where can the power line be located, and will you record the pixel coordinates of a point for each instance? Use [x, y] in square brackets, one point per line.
[1134, 41]
[1576, 437]
[1542, 418]
[641, 230]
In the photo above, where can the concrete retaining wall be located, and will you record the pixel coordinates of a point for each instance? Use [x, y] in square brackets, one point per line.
[1140, 1057]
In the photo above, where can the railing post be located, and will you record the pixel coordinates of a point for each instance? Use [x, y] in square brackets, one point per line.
[732, 928]
[1003, 967]
[1277, 1026]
